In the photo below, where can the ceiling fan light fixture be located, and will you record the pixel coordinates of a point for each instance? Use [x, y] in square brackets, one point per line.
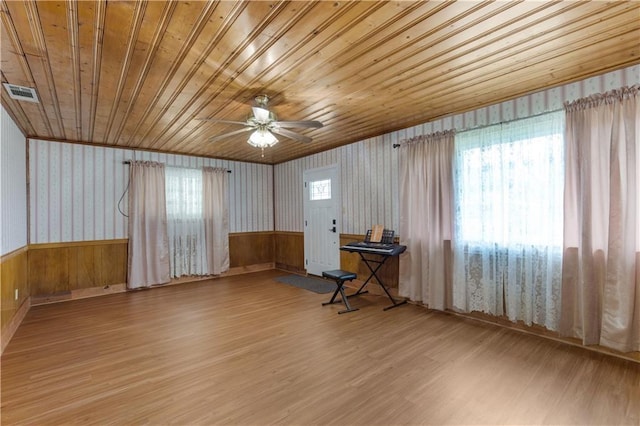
[262, 116]
[262, 138]
[264, 123]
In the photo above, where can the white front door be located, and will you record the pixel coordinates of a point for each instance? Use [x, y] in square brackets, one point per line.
[322, 219]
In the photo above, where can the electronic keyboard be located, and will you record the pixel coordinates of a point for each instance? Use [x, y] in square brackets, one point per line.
[386, 249]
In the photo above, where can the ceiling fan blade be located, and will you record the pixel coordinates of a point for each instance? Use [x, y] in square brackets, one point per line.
[217, 120]
[226, 135]
[260, 114]
[291, 135]
[307, 124]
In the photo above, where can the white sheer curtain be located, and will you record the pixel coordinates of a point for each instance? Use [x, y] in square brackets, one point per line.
[216, 218]
[185, 222]
[426, 198]
[148, 243]
[508, 220]
[601, 271]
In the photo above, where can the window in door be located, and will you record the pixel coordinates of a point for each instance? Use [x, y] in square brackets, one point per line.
[320, 190]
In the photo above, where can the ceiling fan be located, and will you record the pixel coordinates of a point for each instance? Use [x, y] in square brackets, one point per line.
[264, 124]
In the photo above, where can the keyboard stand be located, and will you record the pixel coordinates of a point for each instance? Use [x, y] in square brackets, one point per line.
[374, 272]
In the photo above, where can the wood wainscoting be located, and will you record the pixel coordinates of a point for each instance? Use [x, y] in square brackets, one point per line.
[58, 269]
[251, 251]
[290, 251]
[62, 271]
[14, 289]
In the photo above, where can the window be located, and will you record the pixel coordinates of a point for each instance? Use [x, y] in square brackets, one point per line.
[320, 190]
[185, 221]
[509, 183]
[184, 193]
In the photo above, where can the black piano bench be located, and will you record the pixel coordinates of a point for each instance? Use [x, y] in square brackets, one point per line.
[340, 276]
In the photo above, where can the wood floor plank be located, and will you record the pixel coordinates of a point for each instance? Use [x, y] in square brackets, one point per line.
[250, 350]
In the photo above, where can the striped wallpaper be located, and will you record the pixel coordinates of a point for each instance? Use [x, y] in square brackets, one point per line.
[75, 191]
[369, 168]
[75, 188]
[13, 185]
[369, 178]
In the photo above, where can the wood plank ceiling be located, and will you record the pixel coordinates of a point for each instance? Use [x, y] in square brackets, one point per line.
[139, 74]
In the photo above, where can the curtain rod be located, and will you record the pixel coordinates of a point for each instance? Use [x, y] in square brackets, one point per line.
[129, 162]
[397, 145]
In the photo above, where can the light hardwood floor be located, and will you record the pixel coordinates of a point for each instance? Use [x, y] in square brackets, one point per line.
[249, 350]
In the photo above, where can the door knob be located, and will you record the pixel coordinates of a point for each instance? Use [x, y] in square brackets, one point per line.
[332, 229]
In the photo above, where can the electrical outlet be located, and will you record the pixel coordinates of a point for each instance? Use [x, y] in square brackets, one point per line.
[16, 293]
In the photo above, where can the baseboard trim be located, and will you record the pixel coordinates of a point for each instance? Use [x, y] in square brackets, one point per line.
[13, 325]
[290, 268]
[121, 288]
[500, 322]
[81, 293]
[239, 270]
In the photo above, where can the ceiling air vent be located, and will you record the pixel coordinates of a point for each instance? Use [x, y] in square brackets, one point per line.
[21, 93]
